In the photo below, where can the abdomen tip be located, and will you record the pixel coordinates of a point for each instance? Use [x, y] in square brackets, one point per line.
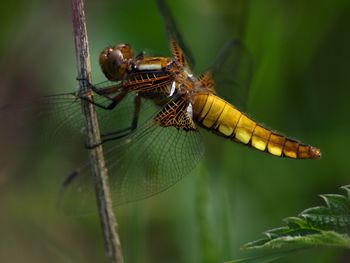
[315, 153]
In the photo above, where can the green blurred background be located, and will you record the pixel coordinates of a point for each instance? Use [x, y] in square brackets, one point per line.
[300, 87]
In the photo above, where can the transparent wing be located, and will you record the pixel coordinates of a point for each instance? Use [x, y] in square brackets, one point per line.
[232, 72]
[54, 123]
[41, 118]
[175, 40]
[146, 162]
[56, 118]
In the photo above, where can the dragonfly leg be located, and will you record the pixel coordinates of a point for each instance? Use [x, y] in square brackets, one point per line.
[102, 91]
[114, 100]
[106, 91]
[124, 132]
[115, 135]
[88, 83]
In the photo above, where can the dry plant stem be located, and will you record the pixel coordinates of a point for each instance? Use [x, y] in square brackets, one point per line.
[107, 218]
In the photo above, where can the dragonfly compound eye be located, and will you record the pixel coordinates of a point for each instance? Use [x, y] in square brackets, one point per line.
[115, 61]
[126, 51]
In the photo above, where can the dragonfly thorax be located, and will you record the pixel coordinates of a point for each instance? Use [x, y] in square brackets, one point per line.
[151, 63]
[185, 80]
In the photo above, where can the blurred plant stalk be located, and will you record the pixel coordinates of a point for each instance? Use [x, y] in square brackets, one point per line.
[104, 203]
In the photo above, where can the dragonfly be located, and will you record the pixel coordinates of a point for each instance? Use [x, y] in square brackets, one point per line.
[152, 110]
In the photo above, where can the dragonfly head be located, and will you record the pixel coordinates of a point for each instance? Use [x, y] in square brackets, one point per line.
[115, 61]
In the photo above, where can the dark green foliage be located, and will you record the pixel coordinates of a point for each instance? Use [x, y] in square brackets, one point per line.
[317, 226]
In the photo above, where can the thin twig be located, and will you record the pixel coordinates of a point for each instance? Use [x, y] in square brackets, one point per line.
[104, 203]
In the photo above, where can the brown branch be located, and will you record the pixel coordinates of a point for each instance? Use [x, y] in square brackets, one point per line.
[104, 203]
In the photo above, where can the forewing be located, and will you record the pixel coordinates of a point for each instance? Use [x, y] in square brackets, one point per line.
[150, 82]
[140, 165]
[232, 73]
[43, 119]
[55, 120]
[176, 42]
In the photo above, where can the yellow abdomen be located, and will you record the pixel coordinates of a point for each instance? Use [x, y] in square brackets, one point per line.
[216, 114]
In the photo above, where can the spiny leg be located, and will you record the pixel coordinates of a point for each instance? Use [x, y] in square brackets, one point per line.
[104, 92]
[114, 100]
[115, 135]
[124, 132]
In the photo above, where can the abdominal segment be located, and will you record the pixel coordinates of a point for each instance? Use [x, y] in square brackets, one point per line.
[216, 114]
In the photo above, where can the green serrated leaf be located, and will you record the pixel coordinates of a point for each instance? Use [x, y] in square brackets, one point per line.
[317, 226]
[324, 238]
[317, 210]
[295, 222]
[271, 234]
[277, 232]
[347, 189]
[336, 203]
[326, 219]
